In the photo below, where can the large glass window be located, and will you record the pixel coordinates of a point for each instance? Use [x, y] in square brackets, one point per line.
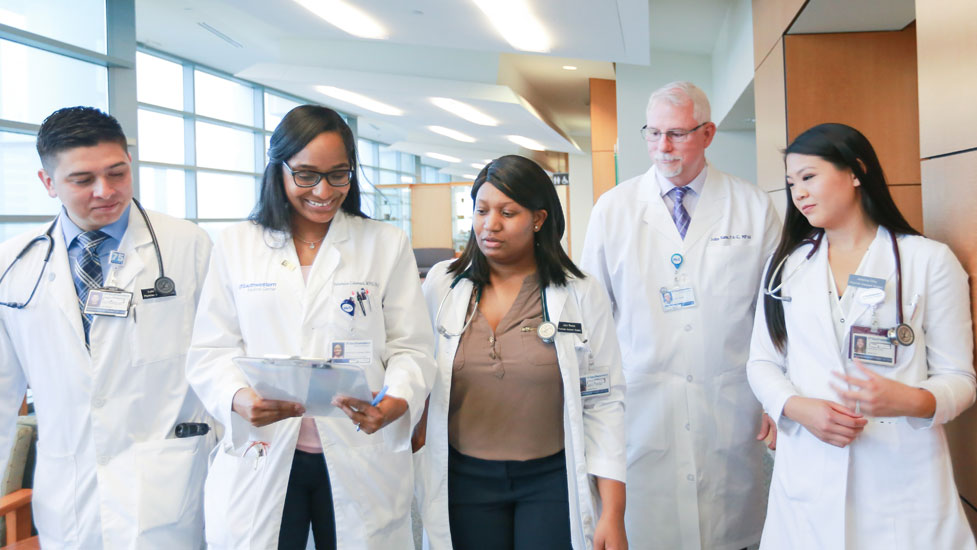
[21, 192]
[77, 22]
[224, 99]
[159, 81]
[386, 175]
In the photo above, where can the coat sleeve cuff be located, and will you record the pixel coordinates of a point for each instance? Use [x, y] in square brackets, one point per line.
[398, 385]
[608, 469]
[940, 414]
[784, 424]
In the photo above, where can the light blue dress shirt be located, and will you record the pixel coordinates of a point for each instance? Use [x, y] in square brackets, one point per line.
[115, 231]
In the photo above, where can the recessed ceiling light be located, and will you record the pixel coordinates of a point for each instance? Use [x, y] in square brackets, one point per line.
[469, 176]
[359, 100]
[527, 143]
[516, 23]
[439, 156]
[464, 111]
[453, 134]
[569, 67]
[478, 166]
[345, 17]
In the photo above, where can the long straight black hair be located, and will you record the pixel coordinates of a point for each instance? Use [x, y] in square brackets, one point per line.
[300, 126]
[523, 181]
[847, 149]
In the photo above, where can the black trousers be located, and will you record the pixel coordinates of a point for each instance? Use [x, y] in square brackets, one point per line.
[308, 499]
[508, 504]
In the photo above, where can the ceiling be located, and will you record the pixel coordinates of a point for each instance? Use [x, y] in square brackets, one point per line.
[830, 16]
[436, 48]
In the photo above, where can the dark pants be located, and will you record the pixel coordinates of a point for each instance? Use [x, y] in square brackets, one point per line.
[308, 500]
[508, 504]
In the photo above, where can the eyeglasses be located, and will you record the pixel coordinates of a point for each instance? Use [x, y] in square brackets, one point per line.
[675, 136]
[311, 178]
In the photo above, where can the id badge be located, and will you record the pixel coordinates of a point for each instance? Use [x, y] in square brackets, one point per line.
[114, 303]
[871, 346]
[594, 384]
[352, 352]
[677, 298]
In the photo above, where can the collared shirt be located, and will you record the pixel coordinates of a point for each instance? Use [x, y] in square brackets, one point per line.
[115, 231]
[691, 199]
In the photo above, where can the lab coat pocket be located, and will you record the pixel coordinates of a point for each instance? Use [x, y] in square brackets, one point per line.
[799, 465]
[54, 497]
[379, 482]
[230, 498]
[150, 317]
[171, 475]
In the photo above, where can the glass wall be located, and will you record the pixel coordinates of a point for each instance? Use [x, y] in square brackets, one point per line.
[387, 173]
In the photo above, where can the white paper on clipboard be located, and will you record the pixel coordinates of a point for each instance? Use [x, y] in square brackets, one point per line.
[311, 382]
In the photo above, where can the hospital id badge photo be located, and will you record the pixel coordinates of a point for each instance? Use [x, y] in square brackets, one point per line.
[594, 384]
[677, 298]
[114, 303]
[871, 346]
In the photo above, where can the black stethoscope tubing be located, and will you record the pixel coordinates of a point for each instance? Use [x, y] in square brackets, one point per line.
[163, 285]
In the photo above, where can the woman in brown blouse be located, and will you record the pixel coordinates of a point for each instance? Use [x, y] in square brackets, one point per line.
[529, 387]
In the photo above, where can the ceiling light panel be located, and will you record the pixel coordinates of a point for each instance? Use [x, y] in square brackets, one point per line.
[453, 134]
[445, 158]
[359, 100]
[517, 23]
[464, 111]
[346, 17]
[523, 141]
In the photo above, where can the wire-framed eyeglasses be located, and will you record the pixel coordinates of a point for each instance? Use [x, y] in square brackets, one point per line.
[675, 136]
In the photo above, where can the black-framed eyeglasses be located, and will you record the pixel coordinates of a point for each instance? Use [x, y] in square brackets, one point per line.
[311, 178]
[675, 136]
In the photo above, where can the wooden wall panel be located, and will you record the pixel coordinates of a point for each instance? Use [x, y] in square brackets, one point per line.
[866, 80]
[947, 31]
[949, 202]
[430, 217]
[603, 133]
[771, 19]
[771, 119]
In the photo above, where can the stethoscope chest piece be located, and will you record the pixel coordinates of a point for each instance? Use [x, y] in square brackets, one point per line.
[902, 334]
[164, 286]
[546, 332]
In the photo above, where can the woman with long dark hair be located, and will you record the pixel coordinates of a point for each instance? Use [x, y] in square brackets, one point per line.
[523, 442]
[309, 275]
[862, 350]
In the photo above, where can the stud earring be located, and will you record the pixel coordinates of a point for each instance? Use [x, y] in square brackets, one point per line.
[535, 228]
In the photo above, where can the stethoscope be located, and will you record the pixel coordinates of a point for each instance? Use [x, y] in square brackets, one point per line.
[163, 285]
[546, 330]
[901, 334]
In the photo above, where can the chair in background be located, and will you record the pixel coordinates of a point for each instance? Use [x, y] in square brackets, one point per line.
[15, 504]
[427, 257]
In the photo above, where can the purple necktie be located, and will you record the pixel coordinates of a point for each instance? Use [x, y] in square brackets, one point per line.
[679, 214]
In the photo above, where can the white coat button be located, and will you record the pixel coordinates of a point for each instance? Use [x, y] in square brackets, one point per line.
[688, 328]
[842, 321]
[103, 460]
[98, 403]
[690, 477]
[688, 378]
[50, 276]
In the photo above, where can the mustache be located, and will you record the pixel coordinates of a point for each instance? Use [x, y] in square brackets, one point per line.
[667, 158]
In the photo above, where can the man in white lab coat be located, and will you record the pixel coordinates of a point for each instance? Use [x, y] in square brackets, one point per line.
[102, 343]
[680, 251]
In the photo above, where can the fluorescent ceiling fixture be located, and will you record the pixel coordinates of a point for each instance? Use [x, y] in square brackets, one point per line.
[453, 134]
[446, 158]
[569, 67]
[359, 100]
[527, 143]
[478, 166]
[469, 176]
[345, 17]
[464, 111]
[516, 23]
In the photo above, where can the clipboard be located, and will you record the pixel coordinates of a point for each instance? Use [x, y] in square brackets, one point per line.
[309, 381]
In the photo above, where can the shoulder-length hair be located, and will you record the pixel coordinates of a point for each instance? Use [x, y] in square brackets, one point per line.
[300, 126]
[523, 181]
[847, 149]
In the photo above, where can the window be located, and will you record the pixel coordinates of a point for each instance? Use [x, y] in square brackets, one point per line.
[387, 173]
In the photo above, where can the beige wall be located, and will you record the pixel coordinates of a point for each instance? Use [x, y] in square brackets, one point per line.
[947, 57]
[603, 133]
[430, 217]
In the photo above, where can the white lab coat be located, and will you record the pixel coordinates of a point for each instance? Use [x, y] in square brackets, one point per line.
[371, 475]
[892, 488]
[109, 472]
[694, 466]
[593, 426]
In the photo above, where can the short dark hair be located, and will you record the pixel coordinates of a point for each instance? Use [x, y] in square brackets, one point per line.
[847, 149]
[300, 126]
[73, 127]
[523, 181]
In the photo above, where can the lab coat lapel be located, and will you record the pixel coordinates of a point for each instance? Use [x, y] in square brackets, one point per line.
[62, 288]
[556, 297]
[880, 264]
[811, 289]
[656, 214]
[709, 208]
[328, 259]
[136, 237]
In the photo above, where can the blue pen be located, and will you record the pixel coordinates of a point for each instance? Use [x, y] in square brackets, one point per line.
[376, 400]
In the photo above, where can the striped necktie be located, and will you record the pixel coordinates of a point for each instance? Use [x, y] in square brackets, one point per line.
[88, 272]
[679, 214]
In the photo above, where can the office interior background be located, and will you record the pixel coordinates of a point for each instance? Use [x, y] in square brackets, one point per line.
[435, 89]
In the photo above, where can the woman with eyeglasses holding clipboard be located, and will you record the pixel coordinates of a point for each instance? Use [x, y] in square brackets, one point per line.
[862, 350]
[522, 443]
